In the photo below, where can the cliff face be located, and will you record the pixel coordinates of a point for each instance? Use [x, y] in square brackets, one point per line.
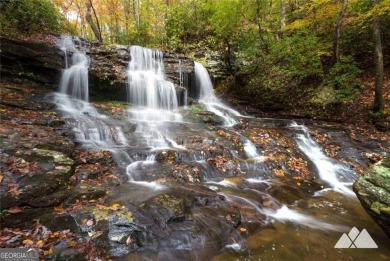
[43, 62]
[38, 61]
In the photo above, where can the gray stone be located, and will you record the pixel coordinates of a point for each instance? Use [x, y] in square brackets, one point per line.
[373, 191]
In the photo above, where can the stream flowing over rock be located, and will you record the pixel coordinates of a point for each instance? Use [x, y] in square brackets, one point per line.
[169, 171]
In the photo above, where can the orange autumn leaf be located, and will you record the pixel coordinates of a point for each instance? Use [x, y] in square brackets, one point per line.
[72, 243]
[15, 210]
[27, 242]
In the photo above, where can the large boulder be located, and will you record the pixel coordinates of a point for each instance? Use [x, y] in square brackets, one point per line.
[373, 191]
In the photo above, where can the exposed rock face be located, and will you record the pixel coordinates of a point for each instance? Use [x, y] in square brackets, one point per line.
[41, 62]
[216, 65]
[373, 191]
[109, 64]
[108, 70]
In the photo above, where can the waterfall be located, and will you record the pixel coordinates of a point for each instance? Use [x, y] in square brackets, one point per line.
[74, 80]
[183, 82]
[154, 97]
[72, 99]
[147, 85]
[208, 98]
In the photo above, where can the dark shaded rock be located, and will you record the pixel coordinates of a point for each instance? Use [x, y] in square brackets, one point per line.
[373, 191]
[61, 252]
[56, 123]
[180, 70]
[83, 192]
[24, 219]
[60, 222]
[43, 188]
[41, 62]
[382, 126]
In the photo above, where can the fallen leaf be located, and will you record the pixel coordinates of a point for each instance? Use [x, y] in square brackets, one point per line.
[128, 241]
[15, 210]
[48, 252]
[27, 242]
[39, 244]
[72, 243]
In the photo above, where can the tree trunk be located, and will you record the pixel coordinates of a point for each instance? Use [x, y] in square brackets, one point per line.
[378, 55]
[336, 44]
[283, 14]
[88, 17]
[136, 13]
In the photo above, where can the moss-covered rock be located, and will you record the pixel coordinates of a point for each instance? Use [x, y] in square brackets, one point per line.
[373, 191]
[199, 114]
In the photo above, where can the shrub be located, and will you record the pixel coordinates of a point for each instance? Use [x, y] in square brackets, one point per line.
[290, 71]
[344, 78]
[30, 16]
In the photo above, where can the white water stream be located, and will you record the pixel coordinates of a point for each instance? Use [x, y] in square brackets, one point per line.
[88, 124]
[208, 98]
[333, 172]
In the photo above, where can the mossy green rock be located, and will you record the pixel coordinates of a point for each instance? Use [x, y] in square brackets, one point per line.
[373, 191]
[199, 114]
[57, 157]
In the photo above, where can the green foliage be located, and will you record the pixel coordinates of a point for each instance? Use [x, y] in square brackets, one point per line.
[188, 25]
[30, 16]
[344, 78]
[380, 115]
[291, 67]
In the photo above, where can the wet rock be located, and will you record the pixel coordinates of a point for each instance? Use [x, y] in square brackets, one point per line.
[25, 218]
[199, 114]
[373, 191]
[41, 62]
[61, 252]
[56, 123]
[166, 156]
[60, 222]
[40, 187]
[286, 194]
[83, 192]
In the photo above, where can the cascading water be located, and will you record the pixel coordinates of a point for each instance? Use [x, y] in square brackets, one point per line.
[72, 99]
[328, 169]
[74, 80]
[155, 102]
[147, 85]
[154, 97]
[207, 97]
